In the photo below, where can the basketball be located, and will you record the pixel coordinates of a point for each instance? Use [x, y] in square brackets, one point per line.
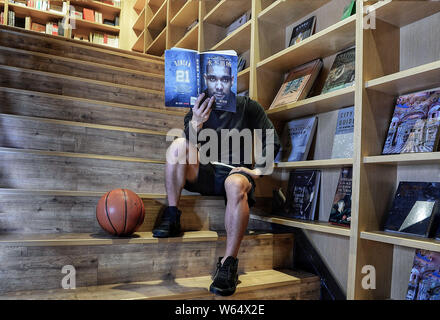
[120, 212]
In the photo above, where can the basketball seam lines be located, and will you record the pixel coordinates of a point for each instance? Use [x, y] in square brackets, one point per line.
[106, 211]
[125, 202]
[140, 216]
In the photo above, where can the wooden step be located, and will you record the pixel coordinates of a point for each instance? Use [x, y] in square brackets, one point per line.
[45, 211]
[60, 107]
[24, 132]
[90, 70]
[21, 78]
[27, 40]
[34, 262]
[264, 284]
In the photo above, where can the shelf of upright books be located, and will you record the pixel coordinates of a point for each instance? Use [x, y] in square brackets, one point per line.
[319, 226]
[322, 44]
[283, 13]
[402, 240]
[221, 15]
[186, 15]
[158, 46]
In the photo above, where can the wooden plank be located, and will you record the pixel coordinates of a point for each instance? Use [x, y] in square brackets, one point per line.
[312, 164]
[226, 11]
[98, 6]
[20, 78]
[46, 105]
[95, 26]
[158, 46]
[68, 136]
[238, 40]
[405, 159]
[402, 240]
[189, 40]
[186, 15]
[29, 40]
[264, 284]
[83, 69]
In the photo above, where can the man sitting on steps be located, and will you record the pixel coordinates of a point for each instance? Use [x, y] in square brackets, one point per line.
[234, 181]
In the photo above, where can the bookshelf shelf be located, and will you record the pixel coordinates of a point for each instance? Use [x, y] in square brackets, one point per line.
[156, 3]
[81, 23]
[323, 103]
[159, 20]
[319, 226]
[322, 44]
[98, 6]
[139, 44]
[34, 13]
[157, 47]
[190, 39]
[186, 15]
[238, 39]
[422, 77]
[405, 159]
[221, 15]
[243, 79]
[283, 12]
[139, 25]
[402, 240]
[316, 164]
[403, 13]
[139, 6]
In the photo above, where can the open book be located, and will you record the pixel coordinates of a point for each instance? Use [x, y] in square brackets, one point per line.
[188, 73]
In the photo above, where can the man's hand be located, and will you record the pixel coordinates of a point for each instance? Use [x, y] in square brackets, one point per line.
[202, 111]
[255, 173]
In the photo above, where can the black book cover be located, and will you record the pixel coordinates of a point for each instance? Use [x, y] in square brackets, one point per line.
[340, 213]
[302, 194]
[414, 207]
[302, 31]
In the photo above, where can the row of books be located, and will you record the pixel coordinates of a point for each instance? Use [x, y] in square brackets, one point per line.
[44, 5]
[98, 38]
[299, 81]
[53, 28]
[92, 16]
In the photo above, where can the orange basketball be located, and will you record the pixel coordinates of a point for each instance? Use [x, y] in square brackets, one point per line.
[120, 212]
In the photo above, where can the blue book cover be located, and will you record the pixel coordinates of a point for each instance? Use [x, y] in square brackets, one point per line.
[189, 73]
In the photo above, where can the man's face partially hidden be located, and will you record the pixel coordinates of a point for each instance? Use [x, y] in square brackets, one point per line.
[219, 81]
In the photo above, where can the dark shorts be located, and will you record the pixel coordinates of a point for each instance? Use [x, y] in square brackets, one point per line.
[211, 182]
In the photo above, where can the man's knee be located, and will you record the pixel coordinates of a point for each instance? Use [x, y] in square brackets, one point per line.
[237, 186]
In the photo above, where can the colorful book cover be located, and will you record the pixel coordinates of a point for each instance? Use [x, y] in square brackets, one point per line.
[189, 73]
[415, 123]
[342, 72]
[298, 83]
[302, 31]
[296, 139]
[340, 213]
[303, 191]
[414, 208]
[424, 280]
[343, 139]
[349, 10]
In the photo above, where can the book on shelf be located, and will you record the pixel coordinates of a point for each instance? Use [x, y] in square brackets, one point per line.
[88, 14]
[415, 123]
[241, 63]
[340, 213]
[343, 139]
[302, 31]
[98, 17]
[296, 139]
[2, 18]
[349, 10]
[297, 84]
[188, 73]
[424, 279]
[11, 18]
[414, 208]
[20, 22]
[342, 72]
[192, 25]
[116, 3]
[57, 8]
[104, 38]
[38, 27]
[302, 194]
[245, 17]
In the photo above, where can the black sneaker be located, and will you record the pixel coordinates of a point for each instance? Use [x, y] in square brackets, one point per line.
[225, 278]
[170, 224]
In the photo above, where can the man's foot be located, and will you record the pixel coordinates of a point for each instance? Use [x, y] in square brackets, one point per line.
[170, 224]
[225, 278]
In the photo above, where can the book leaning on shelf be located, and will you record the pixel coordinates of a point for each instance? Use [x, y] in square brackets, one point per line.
[343, 139]
[424, 280]
[302, 31]
[296, 139]
[414, 208]
[245, 17]
[415, 123]
[302, 194]
[188, 73]
[340, 213]
[298, 83]
[342, 72]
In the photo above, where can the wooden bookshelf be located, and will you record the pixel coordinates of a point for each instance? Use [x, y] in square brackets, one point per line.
[402, 240]
[98, 6]
[34, 13]
[157, 47]
[186, 15]
[159, 20]
[243, 79]
[190, 39]
[95, 26]
[139, 45]
[139, 25]
[238, 39]
[225, 12]
[405, 159]
[316, 164]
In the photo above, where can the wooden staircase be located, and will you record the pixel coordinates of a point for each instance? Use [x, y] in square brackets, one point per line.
[78, 120]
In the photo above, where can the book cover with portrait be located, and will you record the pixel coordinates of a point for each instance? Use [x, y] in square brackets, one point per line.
[188, 73]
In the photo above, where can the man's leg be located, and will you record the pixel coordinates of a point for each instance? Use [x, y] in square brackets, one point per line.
[237, 187]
